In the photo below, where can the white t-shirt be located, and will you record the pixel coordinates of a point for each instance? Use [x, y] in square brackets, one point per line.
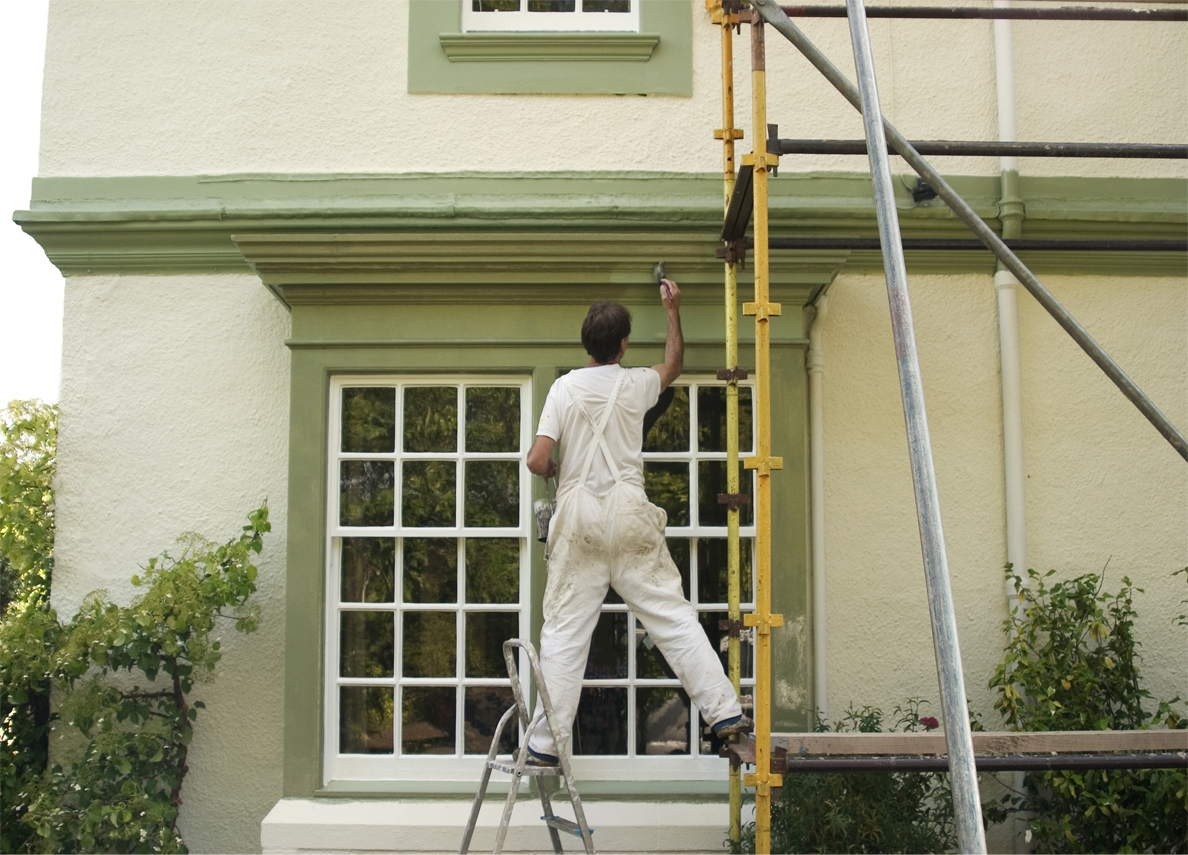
[562, 421]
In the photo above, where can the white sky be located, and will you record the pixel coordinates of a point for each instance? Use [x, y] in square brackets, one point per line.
[30, 287]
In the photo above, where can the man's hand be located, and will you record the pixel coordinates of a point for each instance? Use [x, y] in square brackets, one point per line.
[674, 347]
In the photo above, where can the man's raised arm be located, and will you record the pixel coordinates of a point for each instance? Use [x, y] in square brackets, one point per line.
[674, 347]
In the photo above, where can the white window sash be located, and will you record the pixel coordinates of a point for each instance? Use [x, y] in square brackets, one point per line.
[524, 21]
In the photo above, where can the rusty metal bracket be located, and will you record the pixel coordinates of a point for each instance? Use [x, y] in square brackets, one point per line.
[733, 627]
[732, 375]
[733, 500]
[735, 252]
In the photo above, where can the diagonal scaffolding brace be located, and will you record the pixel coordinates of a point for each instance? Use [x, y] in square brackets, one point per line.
[774, 15]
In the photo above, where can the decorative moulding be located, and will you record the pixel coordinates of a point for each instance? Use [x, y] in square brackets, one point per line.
[548, 47]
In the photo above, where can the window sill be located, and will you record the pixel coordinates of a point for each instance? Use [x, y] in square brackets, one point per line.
[548, 47]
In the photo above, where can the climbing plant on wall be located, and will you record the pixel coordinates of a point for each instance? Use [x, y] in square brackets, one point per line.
[116, 784]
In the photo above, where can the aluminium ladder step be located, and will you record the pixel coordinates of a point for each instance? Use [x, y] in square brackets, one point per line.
[566, 825]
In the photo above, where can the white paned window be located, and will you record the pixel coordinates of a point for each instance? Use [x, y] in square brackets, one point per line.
[427, 571]
[632, 705]
[550, 16]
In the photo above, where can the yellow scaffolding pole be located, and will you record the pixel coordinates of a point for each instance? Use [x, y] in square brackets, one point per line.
[763, 462]
[728, 134]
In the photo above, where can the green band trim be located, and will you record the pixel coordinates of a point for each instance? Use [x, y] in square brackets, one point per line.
[548, 47]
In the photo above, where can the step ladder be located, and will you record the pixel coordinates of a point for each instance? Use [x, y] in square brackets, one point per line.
[517, 766]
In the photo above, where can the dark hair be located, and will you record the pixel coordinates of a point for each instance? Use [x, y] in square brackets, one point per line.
[603, 330]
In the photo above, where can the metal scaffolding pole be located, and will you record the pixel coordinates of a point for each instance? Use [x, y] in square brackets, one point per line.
[963, 776]
[773, 15]
[728, 134]
[990, 148]
[763, 779]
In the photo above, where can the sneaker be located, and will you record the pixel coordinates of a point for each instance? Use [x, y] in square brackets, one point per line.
[733, 726]
[541, 760]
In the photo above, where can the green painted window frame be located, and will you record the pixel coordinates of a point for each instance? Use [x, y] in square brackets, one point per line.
[658, 60]
[315, 363]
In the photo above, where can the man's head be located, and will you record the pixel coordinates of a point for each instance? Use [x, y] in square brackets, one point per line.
[604, 329]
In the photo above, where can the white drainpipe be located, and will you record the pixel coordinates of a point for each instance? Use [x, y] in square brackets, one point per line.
[816, 375]
[1011, 215]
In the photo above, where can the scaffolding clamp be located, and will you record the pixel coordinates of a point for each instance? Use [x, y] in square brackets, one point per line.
[733, 500]
[725, 12]
[763, 624]
[762, 311]
[735, 134]
[732, 375]
[764, 466]
[767, 161]
[735, 252]
[732, 627]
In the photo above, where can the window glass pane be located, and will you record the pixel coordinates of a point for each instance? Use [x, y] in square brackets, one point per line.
[712, 570]
[492, 570]
[484, 706]
[661, 721]
[365, 716]
[719, 637]
[493, 493]
[485, 634]
[369, 420]
[428, 720]
[711, 418]
[667, 486]
[608, 648]
[429, 492]
[666, 425]
[368, 569]
[606, 5]
[550, 5]
[431, 418]
[678, 548]
[492, 419]
[430, 644]
[366, 492]
[495, 5]
[366, 646]
[650, 663]
[711, 483]
[600, 726]
[430, 570]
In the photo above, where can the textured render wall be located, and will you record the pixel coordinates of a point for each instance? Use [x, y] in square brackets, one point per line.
[1100, 481]
[175, 394]
[162, 87]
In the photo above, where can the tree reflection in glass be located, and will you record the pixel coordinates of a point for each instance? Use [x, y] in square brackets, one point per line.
[671, 430]
[607, 659]
[485, 634]
[483, 707]
[368, 569]
[600, 726]
[711, 418]
[428, 725]
[366, 492]
[369, 420]
[365, 716]
[431, 418]
[367, 644]
[493, 493]
[492, 570]
[711, 483]
[430, 644]
[492, 419]
[661, 720]
[430, 570]
[429, 493]
[713, 572]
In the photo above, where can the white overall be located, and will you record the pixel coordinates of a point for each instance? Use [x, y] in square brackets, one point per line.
[617, 539]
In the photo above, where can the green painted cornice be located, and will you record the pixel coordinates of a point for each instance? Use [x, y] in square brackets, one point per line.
[510, 227]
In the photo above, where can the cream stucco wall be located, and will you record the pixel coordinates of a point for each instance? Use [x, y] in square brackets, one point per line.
[179, 87]
[1101, 483]
[175, 394]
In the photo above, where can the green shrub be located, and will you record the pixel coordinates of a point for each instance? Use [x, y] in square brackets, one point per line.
[1072, 663]
[863, 811]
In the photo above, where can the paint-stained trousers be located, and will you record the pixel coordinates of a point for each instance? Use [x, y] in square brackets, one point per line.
[617, 539]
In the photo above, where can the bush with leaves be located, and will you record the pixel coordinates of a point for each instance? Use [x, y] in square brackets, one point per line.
[1072, 663]
[863, 811]
[28, 457]
[121, 792]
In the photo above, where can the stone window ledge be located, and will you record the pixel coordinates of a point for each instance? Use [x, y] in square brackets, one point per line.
[423, 825]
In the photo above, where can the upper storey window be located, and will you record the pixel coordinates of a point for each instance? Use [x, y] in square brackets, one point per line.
[620, 16]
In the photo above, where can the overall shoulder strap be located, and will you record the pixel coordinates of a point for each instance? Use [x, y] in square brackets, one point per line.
[599, 429]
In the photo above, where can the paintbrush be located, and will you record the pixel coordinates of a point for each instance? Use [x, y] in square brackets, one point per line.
[658, 272]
